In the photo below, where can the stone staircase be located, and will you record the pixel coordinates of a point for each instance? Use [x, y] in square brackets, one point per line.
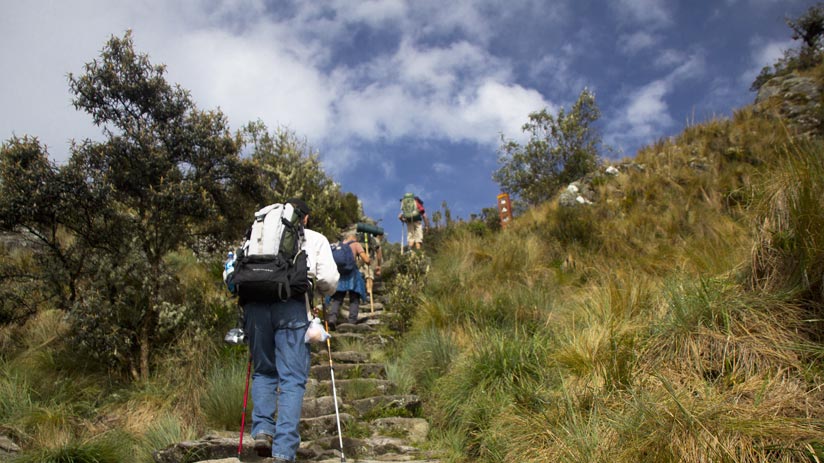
[378, 424]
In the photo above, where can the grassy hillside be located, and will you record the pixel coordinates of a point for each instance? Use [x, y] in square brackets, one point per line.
[675, 319]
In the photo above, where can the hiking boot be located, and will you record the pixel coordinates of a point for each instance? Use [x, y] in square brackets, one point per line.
[263, 445]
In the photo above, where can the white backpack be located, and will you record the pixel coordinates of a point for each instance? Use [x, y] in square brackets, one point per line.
[272, 266]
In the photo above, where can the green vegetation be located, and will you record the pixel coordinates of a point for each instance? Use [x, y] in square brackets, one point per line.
[809, 28]
[111, 302]
[677, 318]
[561, 149]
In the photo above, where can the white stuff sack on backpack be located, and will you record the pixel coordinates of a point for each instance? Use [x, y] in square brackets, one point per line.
[267, 229]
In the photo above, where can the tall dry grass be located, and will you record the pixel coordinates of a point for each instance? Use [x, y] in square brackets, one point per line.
[647, 327]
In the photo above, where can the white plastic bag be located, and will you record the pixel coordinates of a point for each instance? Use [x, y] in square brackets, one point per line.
[315, 332]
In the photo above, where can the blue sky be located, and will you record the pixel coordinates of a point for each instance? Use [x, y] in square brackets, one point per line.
[405, 95]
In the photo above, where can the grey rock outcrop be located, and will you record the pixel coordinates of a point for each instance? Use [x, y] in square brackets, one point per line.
[796, 98]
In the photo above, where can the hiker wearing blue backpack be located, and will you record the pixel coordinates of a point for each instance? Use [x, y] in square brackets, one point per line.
[346, 254]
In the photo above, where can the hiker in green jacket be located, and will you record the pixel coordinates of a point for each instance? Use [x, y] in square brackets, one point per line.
[413, 215]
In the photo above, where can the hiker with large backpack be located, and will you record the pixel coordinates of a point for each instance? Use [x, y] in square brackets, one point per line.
[413, 215]
[281, 264]
[346, 253]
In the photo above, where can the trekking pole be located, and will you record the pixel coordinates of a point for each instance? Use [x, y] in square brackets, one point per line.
[371, 302]
[334, 391]
[245, 396]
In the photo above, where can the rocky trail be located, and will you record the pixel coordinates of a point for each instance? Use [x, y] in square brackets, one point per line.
[378, 424]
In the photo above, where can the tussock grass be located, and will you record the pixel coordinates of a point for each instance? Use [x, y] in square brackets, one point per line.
[426, 358]
[222, 400]
[789, 251]
[113, 447]
[15, 400]
[677, 319]
[162, 432]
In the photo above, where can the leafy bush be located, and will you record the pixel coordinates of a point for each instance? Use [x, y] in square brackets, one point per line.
[406, 285]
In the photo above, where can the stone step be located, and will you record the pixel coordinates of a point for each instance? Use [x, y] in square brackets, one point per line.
[349, 371]
[385, 449]
[353, 389]
[322, 357]
[213, 447]
[384, 459]
[364, 307]
[314, 407]
[370, 341]
[323, 426]
[408, 404]
[222, 448]
[413, 430]
[350, 328]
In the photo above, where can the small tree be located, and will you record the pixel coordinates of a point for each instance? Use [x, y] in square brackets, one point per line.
[560, 150]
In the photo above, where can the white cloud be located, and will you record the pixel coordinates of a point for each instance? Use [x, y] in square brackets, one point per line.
[443, 168]
[768, 53]
[631, 44]
[250, 78]
[459, 93]
[651, 13]
[499, 107]
[646, 113]
[555, 71]
[647, 110]
[692, 67]
[373, 12]
[763, 53]
[670, 58]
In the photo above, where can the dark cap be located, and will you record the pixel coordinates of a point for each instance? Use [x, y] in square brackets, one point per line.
[300, 205]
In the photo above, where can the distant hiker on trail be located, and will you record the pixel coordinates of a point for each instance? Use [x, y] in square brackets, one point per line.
[414, 216]
[372, 244]
[346, 252]
[279, 353]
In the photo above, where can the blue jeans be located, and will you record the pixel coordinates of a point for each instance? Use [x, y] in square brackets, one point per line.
[281, 367]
